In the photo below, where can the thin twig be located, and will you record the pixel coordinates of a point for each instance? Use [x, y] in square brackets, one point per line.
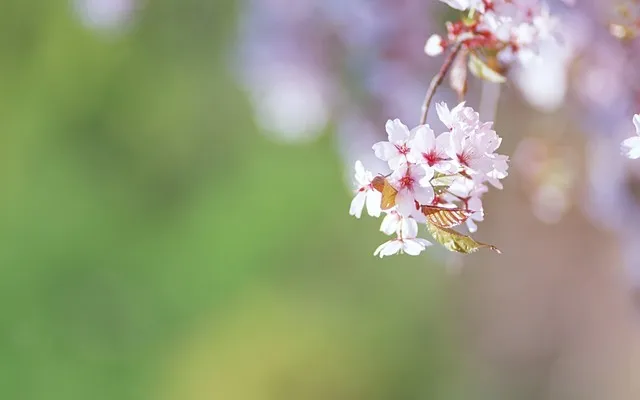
[437, 81]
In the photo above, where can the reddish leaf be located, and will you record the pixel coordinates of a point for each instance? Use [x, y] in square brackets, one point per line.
[445, 217]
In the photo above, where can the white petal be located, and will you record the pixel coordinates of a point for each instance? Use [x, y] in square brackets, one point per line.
[397, 162]
[390, 223]
[477, 216]
[409, 228]
[444, 114]
[424, 242]
[443, 141]
[501, 164]
[357, 204]
[631, 147]
[417, 172]
[495, 182]
[405, 203]
[399, 173]
[475, 204]
[388, 248]
[507, 55]
[636, 122]
[526, 55]
[385, 150]
[481, 164]
[397, 131]
[456, 139]
[374, 199]
[424, 195]
[434, 47]
[460, 4]
[359, 170]
[412, 247]
[459, 107]
[418, 216]
[428, 175]
[424, 140]
[361, 174]
[471, 225]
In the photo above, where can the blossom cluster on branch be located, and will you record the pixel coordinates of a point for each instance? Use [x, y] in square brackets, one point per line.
[375, 46]
[437, 180]
[500, 31]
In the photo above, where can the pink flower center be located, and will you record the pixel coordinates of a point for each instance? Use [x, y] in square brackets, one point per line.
[432, 158]
[466, 156]
[406, 182]
[463, 159]
[402, 149]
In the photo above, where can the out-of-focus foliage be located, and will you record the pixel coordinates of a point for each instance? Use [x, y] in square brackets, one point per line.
[153, 245]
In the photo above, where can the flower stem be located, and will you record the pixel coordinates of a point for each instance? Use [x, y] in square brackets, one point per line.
[437, 81]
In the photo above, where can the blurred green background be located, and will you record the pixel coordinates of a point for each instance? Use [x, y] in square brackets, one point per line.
[154, 245]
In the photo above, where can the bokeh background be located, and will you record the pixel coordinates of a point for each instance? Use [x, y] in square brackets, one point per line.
[155, 243]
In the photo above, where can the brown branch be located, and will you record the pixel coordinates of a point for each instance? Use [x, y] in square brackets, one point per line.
[437, 81]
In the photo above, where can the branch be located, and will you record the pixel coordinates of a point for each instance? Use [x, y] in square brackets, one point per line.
[437, 81]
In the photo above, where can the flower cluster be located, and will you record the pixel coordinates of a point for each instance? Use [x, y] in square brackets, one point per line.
[503, 31]
[434, 179]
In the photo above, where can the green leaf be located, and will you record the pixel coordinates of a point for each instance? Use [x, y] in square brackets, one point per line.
[455, 241]
[480, 69]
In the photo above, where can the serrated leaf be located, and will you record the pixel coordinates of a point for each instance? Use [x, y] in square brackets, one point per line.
[445, 217]
[480, 69]
[455, 241]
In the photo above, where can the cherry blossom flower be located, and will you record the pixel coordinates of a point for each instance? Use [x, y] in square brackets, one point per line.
[397, 149]
[631, 147]
[472, 142]
[412, 184]
[365, 194]
[499, 172]
[512, 31]
[455, 116]
[391, 222]
[406, 240]
[428, 149]
[469, 153]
